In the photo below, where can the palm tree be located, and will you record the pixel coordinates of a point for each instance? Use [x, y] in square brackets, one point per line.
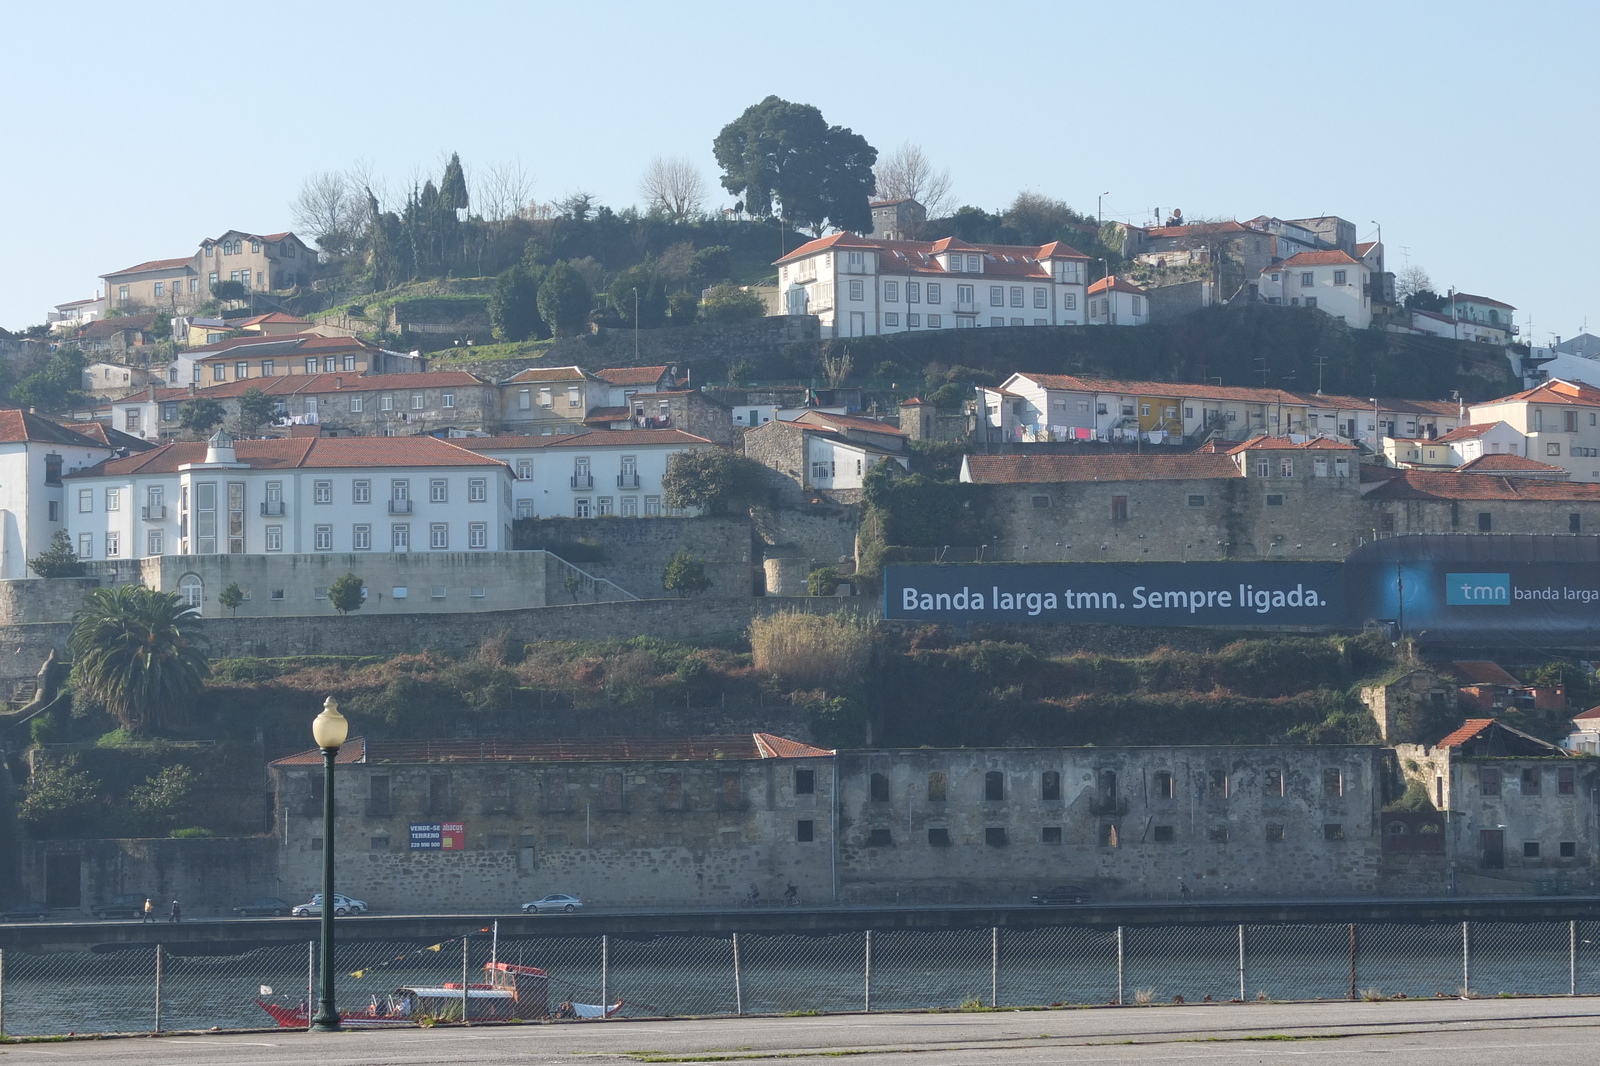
[139, 652]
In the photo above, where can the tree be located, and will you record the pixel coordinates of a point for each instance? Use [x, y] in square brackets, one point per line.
[685, 575]
[673, 186]
[786, 152]
[229, 290]
[514, 305]
[55, 385]
[836, 364]
[565, 300]
[60, 799]
[1041, 219]
[730, 303]
[347, 594]
[908, 173]
[138, 652]
[453, 186]
[58, 560]
[166, 800]
[577, 206]
[712, 479]
[231, 597]
[201, 416]
[329, 208]
[823, 581]
[1410, 281]
[256, 409]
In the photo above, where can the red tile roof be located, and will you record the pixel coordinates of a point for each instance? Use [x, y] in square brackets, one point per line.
[631, 375]
[1285, 444]
[1114, 282]
[1587, 716]
[1556, 390]
[1505, 463]
[1305, 259]
[734, 747]
[915, 401]
[294, 342]
[1363, 247]
[1453, 485]
[550, 373]
[1470, 729]
[603, 415]
[847, 422]
[154, 264]
[591, 438]
[1054, 469]
[317, 385]
[1477, 429]
[1468, 298]
[1482, 672]
[1196, 228]
[276, 317]
[327, 453]
[18, 426]
[1007, 260]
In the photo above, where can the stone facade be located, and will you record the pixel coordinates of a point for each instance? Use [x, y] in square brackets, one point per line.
[207, 876]
[633, 553]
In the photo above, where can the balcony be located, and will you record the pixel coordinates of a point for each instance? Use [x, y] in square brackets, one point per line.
[583, 481]
[627, 481]
[272, 509]
[399, 506]
[966, 307]
[155, 513]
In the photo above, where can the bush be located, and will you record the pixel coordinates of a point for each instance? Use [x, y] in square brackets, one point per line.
[812, 651]
[823, 581]
[192, 833]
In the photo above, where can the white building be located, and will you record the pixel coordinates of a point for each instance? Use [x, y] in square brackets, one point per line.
[860, 287]
[293, 496]
[35, 453]
[593, 474]
[75, 314]
[1332, 282]
[1560, 421]
[1115, 301]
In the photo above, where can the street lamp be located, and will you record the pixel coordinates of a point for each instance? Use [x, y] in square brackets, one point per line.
[329, 729]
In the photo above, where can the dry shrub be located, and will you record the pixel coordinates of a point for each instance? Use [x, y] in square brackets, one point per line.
[813, 651]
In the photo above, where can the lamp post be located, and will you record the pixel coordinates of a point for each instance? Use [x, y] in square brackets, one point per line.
[329, 729]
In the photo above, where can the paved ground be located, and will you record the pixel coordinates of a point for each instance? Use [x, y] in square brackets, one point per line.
[1447, 1033]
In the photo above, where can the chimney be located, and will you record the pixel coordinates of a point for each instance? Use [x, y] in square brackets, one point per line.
[151, 397]
[338, 383]
[191, 388]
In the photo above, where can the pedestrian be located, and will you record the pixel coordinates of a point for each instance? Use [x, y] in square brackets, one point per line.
[176, 914]
[1183, 891]
[149, 910]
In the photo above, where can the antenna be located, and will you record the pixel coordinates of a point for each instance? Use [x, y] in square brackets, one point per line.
[1322, 361]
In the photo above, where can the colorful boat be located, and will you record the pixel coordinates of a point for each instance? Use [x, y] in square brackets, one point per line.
[511, 993]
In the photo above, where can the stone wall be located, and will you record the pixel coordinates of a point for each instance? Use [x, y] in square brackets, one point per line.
[633, 552]
[207, 876]
[819, 536]
[35, 599]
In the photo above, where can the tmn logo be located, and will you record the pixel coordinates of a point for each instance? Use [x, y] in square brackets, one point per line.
[1477, 590]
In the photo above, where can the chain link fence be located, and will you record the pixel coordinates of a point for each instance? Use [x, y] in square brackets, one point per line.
[144, 989]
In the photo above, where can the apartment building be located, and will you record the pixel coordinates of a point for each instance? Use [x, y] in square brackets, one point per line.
[1117, 301]
[254, 260]
[549, 400]
[858, 286]
[1560, 421]
[589, 474]
[1332, 282]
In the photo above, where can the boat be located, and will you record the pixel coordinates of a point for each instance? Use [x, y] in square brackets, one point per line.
[511, 993]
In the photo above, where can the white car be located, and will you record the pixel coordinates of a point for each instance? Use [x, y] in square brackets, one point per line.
[342, 905]
[556, 901]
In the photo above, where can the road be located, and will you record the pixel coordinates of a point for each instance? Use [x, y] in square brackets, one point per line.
[1528, 1032]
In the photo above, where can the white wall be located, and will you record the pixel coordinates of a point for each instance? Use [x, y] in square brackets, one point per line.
[26, 525]
[543, 485]
[1283, 284]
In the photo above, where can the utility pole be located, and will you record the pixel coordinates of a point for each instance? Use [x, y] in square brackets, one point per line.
[636, 325]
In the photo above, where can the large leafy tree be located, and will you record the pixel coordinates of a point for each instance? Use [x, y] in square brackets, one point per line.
[201, 416]
[58, 560]
[565, 300]
[514, 305]
[713, 479]
[54, 385]
[256, 409]
[783, 152]
[140, 653]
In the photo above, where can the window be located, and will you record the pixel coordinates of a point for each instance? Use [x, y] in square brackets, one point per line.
[1107, 834]
[1163, 834]
[602, 506]
[159, 289]
[1217, 834]
[1069, 301]
[891, 292]
[349, 364]
[113, 545]
[879, 788]
[1274, 832]
[241, 371]
[964, 295]
[1485, 523]
[85, 501]
[219, 372]
[1041, 502]
[524, 469]
[1040, 299]
[1569, 849]
[858, 290]
[879, 838]
[267, 368]
[477, 535]
[939, 838]
[361, 538]
[1050, 834]
[361, 491]
[1119, 508]
[322, 539]
[580, 508]
[417, 400]
[447, 399]
[1263, 468]
[913, 319]
[400, 538]
[1339, 277]
[322, 492]
[937, 784]
[1332, 782]
[995, 836]
[805, 830]
[1197, 501]
[997, 296]
[1016, 296]
[1272, 783]
[1307, 279]
[1286, 468]
[1161, 783]
[805, 782]
[1217, 783]
[994, 785]
[1552, 448]
[934, 321]
[438, 490]
[821, 469]
[274, 538]
[997, 321]
[1488, 781]
[935, 293]
[913, 292]
[477, 490]
[1564, 777]
[1532, 779]
[1144, 410]
[153, 542]
[192, 589]
[1530, 849]
[891, 319]
[1311, 301]
[1332, 831]
[438, 536]
[311, 364]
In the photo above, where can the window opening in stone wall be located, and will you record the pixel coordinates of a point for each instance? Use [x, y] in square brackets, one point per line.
[1217, 834]
[805, 782]
[1050, 834]
[1108, 834]
[1564, 781]
[1273, 783]
[1332, 782]
[1531, 781]
[939, 838]
[731, 795]
[379, 844]
[805, 830]
[936, 787]
[994, 785]
[1274, 831]
[1530, 849]
[880, 788]
[1218, 782]
[554, 787]
[497, 793]
[672, 792]
[1489, 780]
[879, 838]
[1106, 787]
[1162, 784]
[378, 796]
[1569, 849]
[995, 836]
[1332, 831]
[1050, 786]
[1163, 834]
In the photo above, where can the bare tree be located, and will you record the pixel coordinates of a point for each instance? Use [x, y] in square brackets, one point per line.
[504, 192]
[1410, 281]
[329, 208]
[673, 186]
[907, 172]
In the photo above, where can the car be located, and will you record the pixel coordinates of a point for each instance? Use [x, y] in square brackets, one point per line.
[556, 901]
[264, 906]
[342, 905]
[127, 905]
[28, 911]
[1059, 894]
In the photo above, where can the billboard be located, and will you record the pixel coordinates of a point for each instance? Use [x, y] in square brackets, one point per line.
[1151, 594]
[438, 836]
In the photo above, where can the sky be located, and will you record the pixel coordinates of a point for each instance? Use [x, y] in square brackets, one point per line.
[130, 132]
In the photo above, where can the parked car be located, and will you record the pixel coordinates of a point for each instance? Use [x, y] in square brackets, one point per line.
[342, 905]
[556, 901]
[264, 906]
[28, 911]
[1059, 894]
[127, 905]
